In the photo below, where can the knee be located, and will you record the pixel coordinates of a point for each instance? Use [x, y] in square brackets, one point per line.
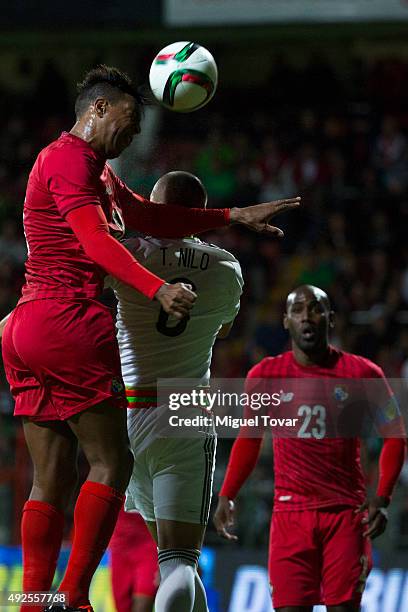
[114, 468]
[56, 485]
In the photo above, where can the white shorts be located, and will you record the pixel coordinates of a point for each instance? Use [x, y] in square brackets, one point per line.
[172, 476]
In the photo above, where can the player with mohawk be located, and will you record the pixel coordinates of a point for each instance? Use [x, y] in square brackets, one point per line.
[59, 347]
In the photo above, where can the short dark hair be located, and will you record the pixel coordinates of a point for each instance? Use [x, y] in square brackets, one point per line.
[181, 188]
[108, 82]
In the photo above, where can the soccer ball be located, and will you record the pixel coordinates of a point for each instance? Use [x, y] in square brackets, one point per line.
[183, 76]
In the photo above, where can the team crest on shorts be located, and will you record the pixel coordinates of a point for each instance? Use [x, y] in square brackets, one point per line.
[340, 393]
[117, 385]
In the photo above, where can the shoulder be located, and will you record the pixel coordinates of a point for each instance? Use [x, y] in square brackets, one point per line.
[216, 251]
[65, 146]
[363, 367]
[225, 262]
[270, 366]
[69, 155]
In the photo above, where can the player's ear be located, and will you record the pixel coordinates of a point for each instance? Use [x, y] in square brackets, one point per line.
[285, 321]
[332, 319]
[100, 105]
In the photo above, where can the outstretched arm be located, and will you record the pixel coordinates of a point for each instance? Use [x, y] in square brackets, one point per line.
[165, 221]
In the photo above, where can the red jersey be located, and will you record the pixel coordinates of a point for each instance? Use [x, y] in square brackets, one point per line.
[311, 470]
[67, 174]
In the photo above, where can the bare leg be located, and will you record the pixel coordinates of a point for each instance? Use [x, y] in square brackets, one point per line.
[102, 434]
[175, 534]
[53, 449]
[142, 603]
[101, 431]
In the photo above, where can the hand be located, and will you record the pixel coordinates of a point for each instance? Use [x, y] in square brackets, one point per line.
[377, 517]
[257, 217]
[177, 299]
[224, 517]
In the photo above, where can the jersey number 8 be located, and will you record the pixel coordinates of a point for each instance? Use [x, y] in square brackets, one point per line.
[174, 330]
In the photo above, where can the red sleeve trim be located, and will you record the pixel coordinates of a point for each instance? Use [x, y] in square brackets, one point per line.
[165, 221]
[243, 458]
[391, 460]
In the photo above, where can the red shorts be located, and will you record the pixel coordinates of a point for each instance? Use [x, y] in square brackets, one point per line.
[61, 357]
[134, 564]
[318, 557]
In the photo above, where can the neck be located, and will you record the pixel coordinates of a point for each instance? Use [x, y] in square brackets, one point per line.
[317, 357]
[84, 129]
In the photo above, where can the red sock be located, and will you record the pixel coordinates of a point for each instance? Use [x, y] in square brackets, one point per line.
[95, 517]
[41, 534]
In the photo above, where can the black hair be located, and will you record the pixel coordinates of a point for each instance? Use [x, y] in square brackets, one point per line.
[108, 82]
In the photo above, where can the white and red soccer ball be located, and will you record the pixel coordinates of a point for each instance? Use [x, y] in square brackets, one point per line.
[183, 76]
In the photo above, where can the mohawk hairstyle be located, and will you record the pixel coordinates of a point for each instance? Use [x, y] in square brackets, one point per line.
[108, 82]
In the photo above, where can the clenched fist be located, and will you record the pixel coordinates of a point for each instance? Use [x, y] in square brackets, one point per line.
[177, 299]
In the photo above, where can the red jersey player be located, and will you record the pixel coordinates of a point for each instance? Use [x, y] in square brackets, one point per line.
[321, 523]
[134, 564]
[59, 346]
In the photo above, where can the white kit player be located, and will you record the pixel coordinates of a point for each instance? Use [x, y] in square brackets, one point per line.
[172, 478]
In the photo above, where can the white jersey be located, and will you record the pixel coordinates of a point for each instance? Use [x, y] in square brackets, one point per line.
[155, 345]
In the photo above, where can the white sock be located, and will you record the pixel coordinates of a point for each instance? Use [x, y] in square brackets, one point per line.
[177, 586]
[200, 600]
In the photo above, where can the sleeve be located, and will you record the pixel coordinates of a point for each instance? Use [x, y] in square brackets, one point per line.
[234, 293]
[165, 221]
[91, 229]
[392, 459]
[387, 415]
[244, 453]
[71, 176]
[243, 459]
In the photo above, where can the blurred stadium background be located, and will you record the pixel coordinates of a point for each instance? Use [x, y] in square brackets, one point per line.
[312, 100]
